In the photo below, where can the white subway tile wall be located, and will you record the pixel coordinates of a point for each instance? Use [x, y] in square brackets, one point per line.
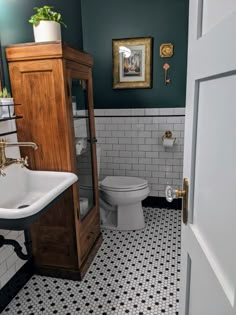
[9, 262]
[132, 146]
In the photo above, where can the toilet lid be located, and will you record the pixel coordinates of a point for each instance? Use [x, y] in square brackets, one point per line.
[123, 183]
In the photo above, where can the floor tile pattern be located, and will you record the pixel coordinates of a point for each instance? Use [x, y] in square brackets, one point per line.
[135, 273]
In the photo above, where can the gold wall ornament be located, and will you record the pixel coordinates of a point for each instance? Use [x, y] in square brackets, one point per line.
[166, 67]
[166, 50]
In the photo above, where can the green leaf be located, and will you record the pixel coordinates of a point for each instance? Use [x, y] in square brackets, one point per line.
[45, 13]
[4, 93]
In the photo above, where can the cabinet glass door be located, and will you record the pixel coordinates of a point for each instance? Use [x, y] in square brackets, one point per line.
[83, 146]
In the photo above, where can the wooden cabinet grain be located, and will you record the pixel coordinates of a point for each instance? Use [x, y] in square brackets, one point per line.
[41, 77]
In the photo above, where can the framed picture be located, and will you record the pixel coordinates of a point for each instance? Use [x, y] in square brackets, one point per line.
[132, 59]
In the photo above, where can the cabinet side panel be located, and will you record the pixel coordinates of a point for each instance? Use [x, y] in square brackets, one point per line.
[37, 87]
[40, 88]
[53, 238]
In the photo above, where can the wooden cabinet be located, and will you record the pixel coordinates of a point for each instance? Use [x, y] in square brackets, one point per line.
[44, 77]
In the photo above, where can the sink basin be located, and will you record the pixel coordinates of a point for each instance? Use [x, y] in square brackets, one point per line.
[24, 194]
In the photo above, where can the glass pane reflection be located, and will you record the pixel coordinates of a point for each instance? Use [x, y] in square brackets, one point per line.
[83, 145]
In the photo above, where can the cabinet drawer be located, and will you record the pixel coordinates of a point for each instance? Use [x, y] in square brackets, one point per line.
[88, 236]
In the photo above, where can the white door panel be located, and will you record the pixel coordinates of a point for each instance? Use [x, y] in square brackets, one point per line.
[204, 300]
[209, 50]
[215, 171]
[208, 279]
[214, 11]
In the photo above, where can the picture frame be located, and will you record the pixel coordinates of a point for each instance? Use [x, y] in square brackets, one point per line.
[132, 63]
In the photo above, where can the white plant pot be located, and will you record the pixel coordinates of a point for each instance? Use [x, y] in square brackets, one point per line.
[47, 31]
[6, 111]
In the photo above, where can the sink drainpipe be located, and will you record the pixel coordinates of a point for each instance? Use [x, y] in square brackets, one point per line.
[17, 247]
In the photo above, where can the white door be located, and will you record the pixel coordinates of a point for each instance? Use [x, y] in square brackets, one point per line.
[209, 239]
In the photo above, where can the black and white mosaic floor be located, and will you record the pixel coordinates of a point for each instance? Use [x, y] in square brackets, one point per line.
[134, 273]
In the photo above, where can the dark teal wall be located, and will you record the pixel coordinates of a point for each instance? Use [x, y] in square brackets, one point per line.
[14, 26]
[164, 20]
[102, 21]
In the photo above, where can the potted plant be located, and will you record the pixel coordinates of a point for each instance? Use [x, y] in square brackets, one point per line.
[6, 103]
[46, 24]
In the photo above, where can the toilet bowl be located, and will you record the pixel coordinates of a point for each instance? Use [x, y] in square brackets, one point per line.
[121, 202]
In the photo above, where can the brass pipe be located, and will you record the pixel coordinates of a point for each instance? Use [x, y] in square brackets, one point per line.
[5, 161]
[4, 144]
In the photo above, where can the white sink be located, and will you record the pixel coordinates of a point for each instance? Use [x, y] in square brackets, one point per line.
[24, 193]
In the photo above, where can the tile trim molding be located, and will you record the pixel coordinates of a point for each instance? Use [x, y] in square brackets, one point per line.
[178, 111]
[161, 202]
[118, 116]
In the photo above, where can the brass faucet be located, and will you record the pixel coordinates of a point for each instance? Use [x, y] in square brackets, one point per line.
[5, 161]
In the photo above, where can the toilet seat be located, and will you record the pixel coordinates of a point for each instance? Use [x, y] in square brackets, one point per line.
[123, 183]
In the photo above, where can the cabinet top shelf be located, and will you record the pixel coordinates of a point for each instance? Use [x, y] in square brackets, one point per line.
[47, 50]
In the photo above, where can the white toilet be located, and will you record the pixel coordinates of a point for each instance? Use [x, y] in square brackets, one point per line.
[120, 200]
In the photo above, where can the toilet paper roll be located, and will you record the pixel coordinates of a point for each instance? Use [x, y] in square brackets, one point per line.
[81, 145]
[168, 142]
[79, 148]
[83, 202]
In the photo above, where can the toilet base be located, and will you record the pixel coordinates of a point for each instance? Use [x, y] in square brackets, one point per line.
[126, 218]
